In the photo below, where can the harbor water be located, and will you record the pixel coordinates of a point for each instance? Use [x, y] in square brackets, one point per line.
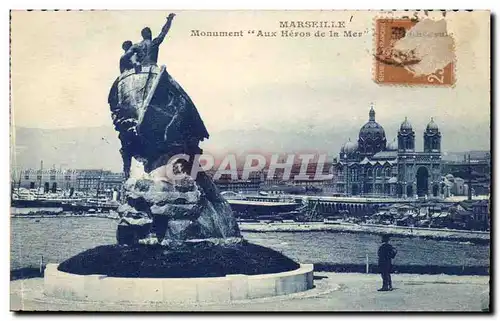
[59, 238]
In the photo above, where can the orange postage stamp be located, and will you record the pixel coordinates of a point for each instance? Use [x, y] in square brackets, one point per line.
[413, 52]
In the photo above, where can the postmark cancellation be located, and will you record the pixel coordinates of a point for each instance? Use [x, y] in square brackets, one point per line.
[413, 52]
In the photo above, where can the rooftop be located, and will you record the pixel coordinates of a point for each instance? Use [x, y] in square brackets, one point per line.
[390, 154]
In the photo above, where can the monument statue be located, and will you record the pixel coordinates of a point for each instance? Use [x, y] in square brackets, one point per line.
[174, 223]
[127, 61]
[147, 49]
[156, 120]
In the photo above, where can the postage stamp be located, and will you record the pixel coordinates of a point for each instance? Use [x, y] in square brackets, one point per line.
[413, 52]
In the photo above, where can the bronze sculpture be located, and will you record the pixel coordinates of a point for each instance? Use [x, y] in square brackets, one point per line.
[156, 120]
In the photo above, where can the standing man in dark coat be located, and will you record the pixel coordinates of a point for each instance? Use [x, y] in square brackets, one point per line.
[386, 252]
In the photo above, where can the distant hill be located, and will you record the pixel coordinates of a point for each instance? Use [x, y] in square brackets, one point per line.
[86, 147]
[460, 156]
[98, 147]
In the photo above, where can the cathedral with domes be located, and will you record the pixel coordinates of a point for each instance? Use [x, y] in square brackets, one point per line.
[373, 166]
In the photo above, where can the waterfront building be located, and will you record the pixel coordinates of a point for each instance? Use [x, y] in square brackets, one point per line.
[481, 213]
[372, 166]
[46, 180]
[475, 214]
[111, 182]
[249, 185]
[475, 171]
[88, 180]
[98, 181]
[314, 180]
[459, 187]
[306, 183]
[447, 185]
[226, 183]
[67, 180]
[479, 166]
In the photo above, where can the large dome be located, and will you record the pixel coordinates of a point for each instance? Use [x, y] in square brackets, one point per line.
[371, 136]
[371, 130]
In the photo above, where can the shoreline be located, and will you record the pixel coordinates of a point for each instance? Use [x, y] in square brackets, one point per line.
[30, 272]
[31, 216]
[479, 237]
[398, 231]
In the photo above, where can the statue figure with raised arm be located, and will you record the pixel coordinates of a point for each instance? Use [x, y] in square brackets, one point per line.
[157, 120]
[147, 50]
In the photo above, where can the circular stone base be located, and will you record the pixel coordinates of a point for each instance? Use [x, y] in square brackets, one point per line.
[192, 261]
[99, 288]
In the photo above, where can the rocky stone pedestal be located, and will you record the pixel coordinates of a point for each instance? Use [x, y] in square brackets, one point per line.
[170, 212]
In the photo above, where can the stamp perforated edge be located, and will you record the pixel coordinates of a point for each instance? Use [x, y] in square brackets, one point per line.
[389, 14]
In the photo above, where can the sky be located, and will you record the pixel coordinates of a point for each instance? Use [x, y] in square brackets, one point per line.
[63, 64]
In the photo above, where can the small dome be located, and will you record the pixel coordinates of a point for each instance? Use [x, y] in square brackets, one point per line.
[392, 145]
[349, 147]
[432, 126]
[406, 126]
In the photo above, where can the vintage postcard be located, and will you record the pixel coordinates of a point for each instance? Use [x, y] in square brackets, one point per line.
[182, 160]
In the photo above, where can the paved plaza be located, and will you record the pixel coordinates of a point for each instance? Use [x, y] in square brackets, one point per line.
[332, 292]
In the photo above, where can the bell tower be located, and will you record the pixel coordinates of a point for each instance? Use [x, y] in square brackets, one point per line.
[432, 138]
[406, 137]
